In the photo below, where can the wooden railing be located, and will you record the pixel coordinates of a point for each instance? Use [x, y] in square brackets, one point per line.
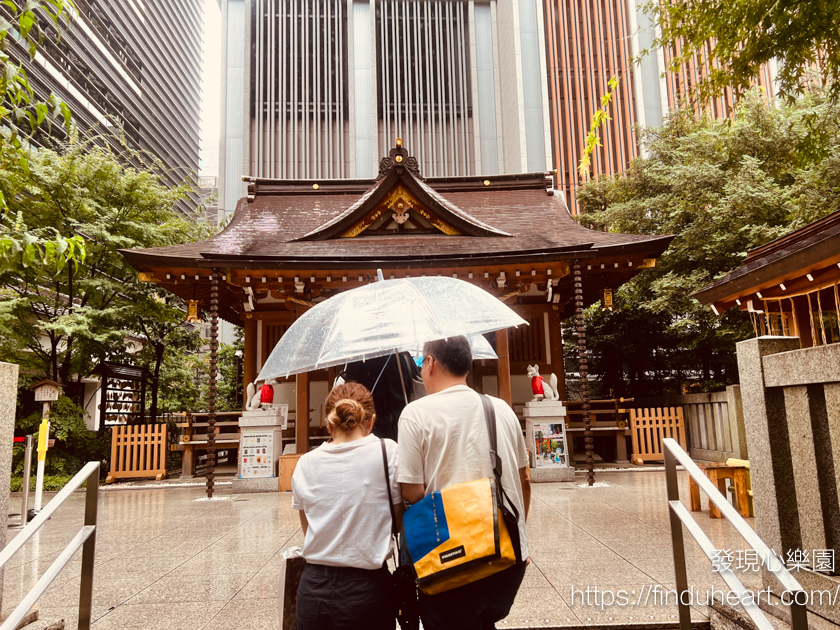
[648, 427]
[138, 451]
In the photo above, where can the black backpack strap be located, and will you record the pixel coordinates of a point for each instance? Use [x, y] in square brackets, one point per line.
[490, 419]
[495, 460]
[388, 487]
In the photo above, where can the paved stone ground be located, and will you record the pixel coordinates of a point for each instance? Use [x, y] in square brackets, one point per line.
[166, 560]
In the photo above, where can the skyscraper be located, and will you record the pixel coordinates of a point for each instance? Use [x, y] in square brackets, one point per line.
[588, 42]
[322, 88]
[134, 63]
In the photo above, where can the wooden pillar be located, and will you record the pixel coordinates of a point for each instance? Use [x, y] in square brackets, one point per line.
[556, 344]
[803, 321]
[250, 359]
[583, 368]
[503, 366]
[302, 413]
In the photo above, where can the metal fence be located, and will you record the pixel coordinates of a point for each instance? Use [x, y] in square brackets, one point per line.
[681, 516]
[85, 539]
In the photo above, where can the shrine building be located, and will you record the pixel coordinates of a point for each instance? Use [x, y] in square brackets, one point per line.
[293, 243]
[790, 287]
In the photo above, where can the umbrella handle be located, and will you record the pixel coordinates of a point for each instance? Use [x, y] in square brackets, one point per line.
[402, 380]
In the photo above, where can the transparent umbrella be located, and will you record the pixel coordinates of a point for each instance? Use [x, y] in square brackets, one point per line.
[385, 317]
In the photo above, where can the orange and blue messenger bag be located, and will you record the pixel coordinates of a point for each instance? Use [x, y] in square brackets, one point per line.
[465, 532]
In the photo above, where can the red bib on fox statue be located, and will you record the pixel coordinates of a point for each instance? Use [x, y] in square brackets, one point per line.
[266, 394]
[537, 385]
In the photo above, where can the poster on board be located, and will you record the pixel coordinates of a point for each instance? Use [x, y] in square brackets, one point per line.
[256, 455]
[550, 444]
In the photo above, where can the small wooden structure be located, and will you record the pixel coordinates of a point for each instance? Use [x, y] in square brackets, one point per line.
[193, 437]
[138, 451]
[609, 420]
[648, 427]
[123, 394]
[718, 473]
[790, 286]
[46, 390]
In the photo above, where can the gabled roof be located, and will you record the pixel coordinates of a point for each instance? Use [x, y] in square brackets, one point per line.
[401, 170]
[809, 248]
[503, 217]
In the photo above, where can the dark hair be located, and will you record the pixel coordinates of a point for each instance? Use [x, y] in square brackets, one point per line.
[454, 354]
[348, 405]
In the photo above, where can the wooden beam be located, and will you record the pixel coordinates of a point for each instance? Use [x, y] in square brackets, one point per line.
[302, 413]
[503, 366]
[249, 361]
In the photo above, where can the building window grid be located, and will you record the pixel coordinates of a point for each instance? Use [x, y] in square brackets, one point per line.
[424, 83]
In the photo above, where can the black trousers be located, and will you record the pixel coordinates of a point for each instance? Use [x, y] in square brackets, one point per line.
[344, 598]
[476, 606]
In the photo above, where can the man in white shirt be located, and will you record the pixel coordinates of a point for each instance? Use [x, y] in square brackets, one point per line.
[443, 441]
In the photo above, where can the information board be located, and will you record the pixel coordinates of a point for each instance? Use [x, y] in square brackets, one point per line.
[550, 444]
[256, 455]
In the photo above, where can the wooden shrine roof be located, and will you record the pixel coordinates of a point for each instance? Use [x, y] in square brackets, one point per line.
[813, 249]
[283, 223]
[320, 229]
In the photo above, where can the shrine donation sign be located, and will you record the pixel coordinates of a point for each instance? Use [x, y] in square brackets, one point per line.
[550, 445]
[257, 455]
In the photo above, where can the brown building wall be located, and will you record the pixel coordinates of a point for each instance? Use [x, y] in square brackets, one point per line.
[588, 42]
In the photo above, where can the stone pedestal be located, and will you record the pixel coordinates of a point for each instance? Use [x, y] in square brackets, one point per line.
[550, 419]
[8, 401]
[260, 440]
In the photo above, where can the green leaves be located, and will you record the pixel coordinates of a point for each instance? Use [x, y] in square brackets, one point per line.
[69, 297]
[722, 187]
[598, 119]
[733, 41]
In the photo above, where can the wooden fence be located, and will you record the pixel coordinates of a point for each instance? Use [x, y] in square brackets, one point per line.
[714, 423]
[648, 427]
[138, 451]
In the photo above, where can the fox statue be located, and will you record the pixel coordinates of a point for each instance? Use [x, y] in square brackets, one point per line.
[262, 396]
[543, 390]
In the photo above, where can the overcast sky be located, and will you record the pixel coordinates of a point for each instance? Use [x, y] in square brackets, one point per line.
[211, 101]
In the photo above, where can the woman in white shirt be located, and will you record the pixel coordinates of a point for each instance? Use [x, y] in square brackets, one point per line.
[340, 491]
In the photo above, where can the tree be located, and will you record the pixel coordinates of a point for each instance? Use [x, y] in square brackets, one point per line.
[185, 378]
[723, 187]
[734, 39]
[59, 322]
[22, 114]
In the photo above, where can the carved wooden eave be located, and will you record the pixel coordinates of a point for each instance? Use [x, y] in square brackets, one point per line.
[400, 202]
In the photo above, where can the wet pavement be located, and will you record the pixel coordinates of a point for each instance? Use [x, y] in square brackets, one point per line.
[167, 560]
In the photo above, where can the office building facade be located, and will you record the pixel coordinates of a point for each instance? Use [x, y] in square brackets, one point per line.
[588, 42]
[322, 88]
[134, 64]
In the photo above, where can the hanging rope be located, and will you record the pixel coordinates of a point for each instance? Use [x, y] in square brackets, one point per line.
[822, 321]
[510, 295]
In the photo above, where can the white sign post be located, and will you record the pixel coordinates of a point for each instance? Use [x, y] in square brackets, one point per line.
[46, 392]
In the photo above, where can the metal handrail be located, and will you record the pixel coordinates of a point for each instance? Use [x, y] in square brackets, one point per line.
[86, 539]
[681, 516]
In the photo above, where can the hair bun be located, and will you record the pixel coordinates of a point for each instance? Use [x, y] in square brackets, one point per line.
[347, 414]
